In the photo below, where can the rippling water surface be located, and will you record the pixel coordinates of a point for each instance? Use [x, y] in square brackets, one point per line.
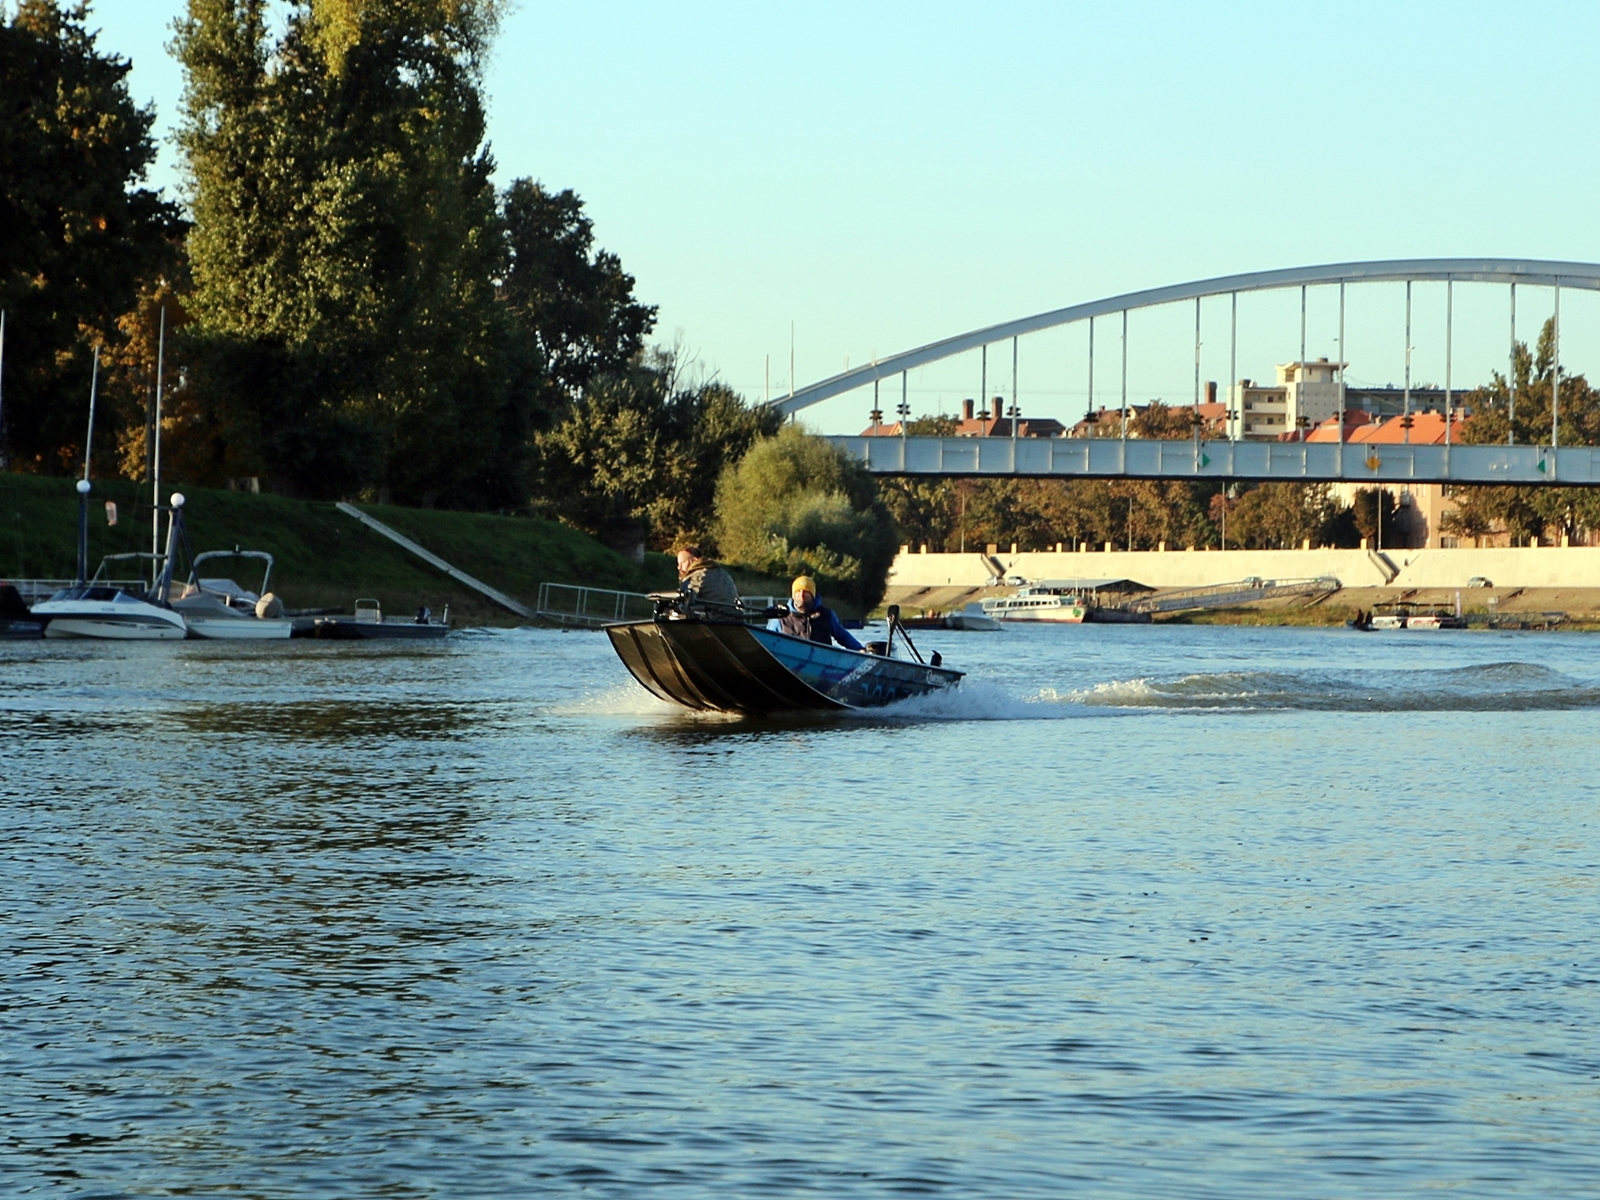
[1138, 912]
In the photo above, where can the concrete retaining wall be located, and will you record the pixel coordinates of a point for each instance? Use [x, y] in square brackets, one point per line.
[1546, 566]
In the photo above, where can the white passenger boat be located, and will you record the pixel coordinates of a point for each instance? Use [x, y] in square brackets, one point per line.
[1038, 602]
[220, 608]
[1067, 601]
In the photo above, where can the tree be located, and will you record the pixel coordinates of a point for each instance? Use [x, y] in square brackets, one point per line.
[78, 237]
[795, 505]
[636, 458]
[1374, 510]
[1527, 512]
[347, 331]
[574, 302]
[1285, 515]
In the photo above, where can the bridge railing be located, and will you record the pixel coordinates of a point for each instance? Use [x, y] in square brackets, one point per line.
[1149, 458]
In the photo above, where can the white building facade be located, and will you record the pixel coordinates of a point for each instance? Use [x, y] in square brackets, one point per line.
[1305, 395]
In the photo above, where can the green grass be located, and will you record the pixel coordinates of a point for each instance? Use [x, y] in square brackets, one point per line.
[323, 557]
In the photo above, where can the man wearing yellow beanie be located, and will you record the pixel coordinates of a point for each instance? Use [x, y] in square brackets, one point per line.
[806, 618]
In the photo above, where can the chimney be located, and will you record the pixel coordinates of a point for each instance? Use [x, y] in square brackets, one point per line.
[966, 410]
[1211, 392]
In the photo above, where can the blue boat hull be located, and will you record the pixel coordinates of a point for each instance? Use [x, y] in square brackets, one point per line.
[733, 667]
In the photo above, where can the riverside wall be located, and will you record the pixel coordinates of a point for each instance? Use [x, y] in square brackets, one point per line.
[1521, 567]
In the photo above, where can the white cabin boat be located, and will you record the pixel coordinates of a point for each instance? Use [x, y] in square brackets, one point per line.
[1038, 602]
[97, 610]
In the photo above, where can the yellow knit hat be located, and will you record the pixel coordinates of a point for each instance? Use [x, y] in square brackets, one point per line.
[804, 583]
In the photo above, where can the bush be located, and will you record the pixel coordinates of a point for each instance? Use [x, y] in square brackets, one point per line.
[794, 505]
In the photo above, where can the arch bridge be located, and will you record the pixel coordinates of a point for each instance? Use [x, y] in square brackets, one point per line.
[1232, 458]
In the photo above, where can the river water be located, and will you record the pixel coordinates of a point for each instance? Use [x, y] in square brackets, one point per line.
[1160, 911]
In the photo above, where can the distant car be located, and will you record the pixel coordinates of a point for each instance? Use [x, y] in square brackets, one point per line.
[1479, 581]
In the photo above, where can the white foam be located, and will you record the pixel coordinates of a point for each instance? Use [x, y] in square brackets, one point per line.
[978, 700]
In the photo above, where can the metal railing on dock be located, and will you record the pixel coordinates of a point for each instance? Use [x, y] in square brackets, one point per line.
[568, 604]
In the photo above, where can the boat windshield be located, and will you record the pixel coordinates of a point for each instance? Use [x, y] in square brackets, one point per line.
[89, 592]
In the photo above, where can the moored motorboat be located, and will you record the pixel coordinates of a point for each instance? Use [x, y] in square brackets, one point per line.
[16, 620]
[100, 610]
[220, 608]
[726, 664]
[370, 623]
[971, 619]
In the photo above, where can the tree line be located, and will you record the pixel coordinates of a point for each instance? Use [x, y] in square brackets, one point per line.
[347, 306]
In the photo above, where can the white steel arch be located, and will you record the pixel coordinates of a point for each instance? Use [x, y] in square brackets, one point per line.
[1419, 270]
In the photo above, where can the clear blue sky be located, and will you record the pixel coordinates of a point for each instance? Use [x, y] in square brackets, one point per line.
[883, 175]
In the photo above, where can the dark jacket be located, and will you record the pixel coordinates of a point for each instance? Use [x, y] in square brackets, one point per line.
[709, 583]
[818, 625]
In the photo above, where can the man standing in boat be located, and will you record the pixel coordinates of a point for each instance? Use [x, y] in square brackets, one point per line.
[703, 581]
[806, 618]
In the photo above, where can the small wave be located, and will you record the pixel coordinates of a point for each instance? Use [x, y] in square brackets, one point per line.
[1490, 687]
[976, 700]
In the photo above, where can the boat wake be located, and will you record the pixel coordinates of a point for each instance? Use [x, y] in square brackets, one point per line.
[976, 700]
[1492, 687]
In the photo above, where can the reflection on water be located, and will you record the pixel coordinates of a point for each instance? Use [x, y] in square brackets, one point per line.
[1137, 912]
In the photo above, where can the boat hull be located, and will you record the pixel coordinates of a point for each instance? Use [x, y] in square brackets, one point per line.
[734, 667]
[109, 614]
[116, 628]
[353, 629]
[250, 629]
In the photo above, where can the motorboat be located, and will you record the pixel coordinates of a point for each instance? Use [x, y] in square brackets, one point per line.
[368, 623]
[103, 609]
[727, 663]
[1406, 616]
[220, 608]
[16, 619]
[971, 619]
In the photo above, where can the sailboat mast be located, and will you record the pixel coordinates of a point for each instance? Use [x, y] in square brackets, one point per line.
[155, 493]
[83, 484]
[5, 459]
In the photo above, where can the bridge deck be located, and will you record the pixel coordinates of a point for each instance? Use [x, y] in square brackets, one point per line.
[1306, 462]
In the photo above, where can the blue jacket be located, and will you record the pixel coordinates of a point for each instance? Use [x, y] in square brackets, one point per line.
[819, 625]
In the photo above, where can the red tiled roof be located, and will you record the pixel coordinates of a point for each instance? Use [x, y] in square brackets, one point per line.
[1427, 429]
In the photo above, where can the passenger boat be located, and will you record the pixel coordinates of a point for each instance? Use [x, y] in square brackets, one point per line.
[723, 663]
[1069, 602]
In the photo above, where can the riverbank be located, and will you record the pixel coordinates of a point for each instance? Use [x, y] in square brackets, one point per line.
[323, 557]
[1521, 585]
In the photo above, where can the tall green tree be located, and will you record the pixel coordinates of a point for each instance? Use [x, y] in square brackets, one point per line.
[78, 235]
[636, 458]
[1528, 512]
[794, 504]
[346, 247]
[576, 303]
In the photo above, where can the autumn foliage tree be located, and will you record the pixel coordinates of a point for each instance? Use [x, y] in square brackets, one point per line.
[79, 236]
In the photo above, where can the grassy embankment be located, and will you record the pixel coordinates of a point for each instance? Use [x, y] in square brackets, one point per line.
[323, 557]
